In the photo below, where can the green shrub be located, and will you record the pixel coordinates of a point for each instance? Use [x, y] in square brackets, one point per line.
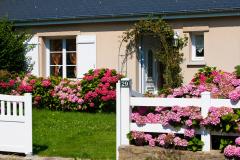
[237, 71]
[12, 48]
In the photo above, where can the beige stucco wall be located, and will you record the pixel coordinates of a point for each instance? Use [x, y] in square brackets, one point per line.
[222, 43]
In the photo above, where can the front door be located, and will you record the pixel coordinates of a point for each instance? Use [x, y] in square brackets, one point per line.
[151, 79]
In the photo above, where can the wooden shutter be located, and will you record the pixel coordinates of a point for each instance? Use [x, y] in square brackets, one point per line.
[32, 54]
[86, 54]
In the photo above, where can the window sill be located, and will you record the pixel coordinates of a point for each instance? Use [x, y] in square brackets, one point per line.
[196, 63]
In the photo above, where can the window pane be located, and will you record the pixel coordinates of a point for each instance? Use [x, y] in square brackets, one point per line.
[71, 44]
[56, 71]
[55, 58]
[56, 45]
[71, 59]
[71, 71]
[150, 64]
[199, 45]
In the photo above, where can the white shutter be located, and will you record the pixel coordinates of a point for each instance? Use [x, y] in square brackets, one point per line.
[32, 54]
[86, 54]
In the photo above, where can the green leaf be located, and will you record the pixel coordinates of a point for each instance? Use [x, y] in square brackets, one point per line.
[190, 143]
[238, 112]
[234, 117]
[228, 127]
[227, 117]
[194, 148]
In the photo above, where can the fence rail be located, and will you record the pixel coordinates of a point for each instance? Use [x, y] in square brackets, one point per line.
[126, 99]
[16, 123]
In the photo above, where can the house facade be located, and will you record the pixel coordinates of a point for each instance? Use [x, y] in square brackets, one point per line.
[72, 38]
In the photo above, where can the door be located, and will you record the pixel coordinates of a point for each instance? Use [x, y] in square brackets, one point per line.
[152, 69]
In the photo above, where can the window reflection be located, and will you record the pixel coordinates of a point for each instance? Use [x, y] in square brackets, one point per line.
[56, 45]
[199, 45]
[71, 44]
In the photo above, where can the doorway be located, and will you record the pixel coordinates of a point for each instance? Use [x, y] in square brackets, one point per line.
[151, 70]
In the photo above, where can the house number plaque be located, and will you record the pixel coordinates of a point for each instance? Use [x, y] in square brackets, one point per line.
[124, 84]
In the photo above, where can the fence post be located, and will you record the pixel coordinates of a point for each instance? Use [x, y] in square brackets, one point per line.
[125, 87]
[118, 118]
[28, 116]
[205, 135]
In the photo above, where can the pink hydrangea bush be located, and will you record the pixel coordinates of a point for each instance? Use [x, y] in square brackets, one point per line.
[41, 89]
[174, 116]
[233, 151]
[99, 89]
[221, 84]
[162, 140]
[96, 92]
[68, 93]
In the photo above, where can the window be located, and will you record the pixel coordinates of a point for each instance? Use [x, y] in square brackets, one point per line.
[150, 64]
[62, 58]
[197, 46]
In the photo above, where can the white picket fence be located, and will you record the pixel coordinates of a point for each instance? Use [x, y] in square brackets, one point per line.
[126, 99]
[16, 123]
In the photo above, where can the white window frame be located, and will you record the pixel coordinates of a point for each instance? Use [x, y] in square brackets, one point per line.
[64, 58]
[193, 47]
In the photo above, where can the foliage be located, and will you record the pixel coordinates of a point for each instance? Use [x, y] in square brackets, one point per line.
[237, 71]
[221, 85]
[195, 144]
[74, 134]
[68, 93]
[232, 151]
[96, 92]
[12, 48]
[204, 75]
[99, 89]
[224, 142]
[4, 75]
[166, 52]
[223, 119]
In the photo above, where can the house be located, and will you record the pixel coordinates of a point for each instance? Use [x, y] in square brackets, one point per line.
[73, 36]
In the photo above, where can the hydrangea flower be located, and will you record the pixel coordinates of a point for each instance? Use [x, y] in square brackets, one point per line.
[229, 151]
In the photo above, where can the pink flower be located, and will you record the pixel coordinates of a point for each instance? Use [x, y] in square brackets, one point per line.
[91, 104]
[202, 78]
[237, 152]
[37, 98]
[235, 82]
[180, 142]
[201, 88]
[188, 122]
[229, 151]
[189, 133]
[234, 95]
[46, 83]
[32, 81]
[237, 141]
[152, 142]
[11, 83]
[161, 139]
[80, 101]
[147, 137]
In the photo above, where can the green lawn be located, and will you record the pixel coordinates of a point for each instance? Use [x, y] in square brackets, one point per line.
[73, 134]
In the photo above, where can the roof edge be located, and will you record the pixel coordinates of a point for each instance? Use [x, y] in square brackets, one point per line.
[126, 18]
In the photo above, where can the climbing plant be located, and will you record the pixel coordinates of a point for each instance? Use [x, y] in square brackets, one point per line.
[167, 52]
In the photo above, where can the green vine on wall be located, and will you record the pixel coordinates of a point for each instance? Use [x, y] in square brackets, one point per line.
[167, 52]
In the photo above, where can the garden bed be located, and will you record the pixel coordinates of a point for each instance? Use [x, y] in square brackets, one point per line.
[157, 153]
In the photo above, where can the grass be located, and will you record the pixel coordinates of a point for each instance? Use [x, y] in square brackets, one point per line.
[73, 134]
